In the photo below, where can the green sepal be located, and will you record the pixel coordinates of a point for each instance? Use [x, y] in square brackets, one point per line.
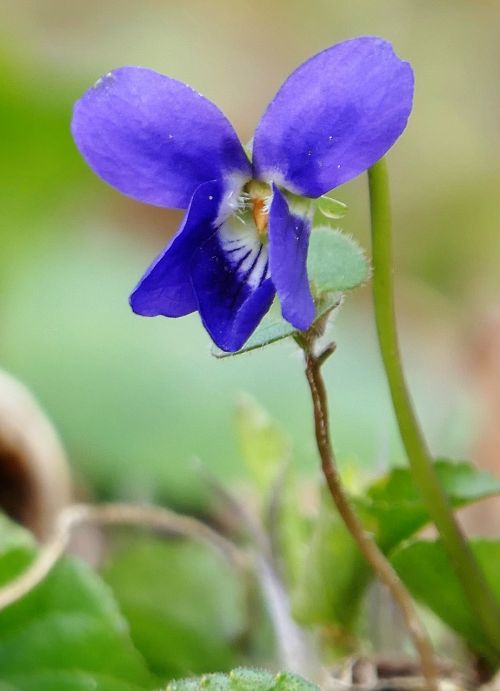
[331, 208]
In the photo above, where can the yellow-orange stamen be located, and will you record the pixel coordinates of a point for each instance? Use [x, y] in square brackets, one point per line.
[260, 215]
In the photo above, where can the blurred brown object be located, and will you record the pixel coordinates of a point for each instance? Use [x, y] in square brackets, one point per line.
[484, 518]
[494, 684]
[396, 674]
[34, 474]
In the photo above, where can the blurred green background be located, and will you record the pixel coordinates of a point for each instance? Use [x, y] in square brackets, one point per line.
[137, 401]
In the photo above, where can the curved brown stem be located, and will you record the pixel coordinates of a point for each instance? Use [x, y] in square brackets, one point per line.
[153, 517]
[368, 547]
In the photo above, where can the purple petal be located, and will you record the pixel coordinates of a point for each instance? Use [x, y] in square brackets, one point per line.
[288, 243]
[231, 281]
[153, 137]
[334, 117]
[166, 286]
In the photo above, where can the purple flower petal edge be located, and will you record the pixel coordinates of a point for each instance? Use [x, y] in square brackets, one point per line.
[166, 288]
[288, 244]
[154, 138]
[334, 117]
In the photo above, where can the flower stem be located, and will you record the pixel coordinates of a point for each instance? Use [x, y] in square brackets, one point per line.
[473, 582]
[368, 547]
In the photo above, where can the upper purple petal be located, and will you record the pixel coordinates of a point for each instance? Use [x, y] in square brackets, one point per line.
[154, 138]
[166, 286]
[334, 117]
[231, 281]
[288, 243]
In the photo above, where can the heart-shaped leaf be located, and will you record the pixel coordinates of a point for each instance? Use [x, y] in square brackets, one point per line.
[335, 261]
[430, 576]
[184, 603]
[69, 626]
[394, 508]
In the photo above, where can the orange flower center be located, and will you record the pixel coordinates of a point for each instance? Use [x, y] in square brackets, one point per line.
[258, 204]
[260, 215]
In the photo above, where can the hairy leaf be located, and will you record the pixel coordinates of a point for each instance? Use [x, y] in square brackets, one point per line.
[244, 680]
[335, 261]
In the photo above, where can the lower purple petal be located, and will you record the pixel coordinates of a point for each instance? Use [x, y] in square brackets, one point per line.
[233, 293]
[166, 289]
[288, 243]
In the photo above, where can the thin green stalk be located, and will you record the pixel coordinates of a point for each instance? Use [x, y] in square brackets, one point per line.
[368, 547]
[458, 549]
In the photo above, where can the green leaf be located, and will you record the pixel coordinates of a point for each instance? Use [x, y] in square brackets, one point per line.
[334, 575]
[394, 508]
[285, 681]
[73, 680]
[8, 687]
[428, 573]
[263, 444]
[183, 602]
[461, 480]
[335, 261]
[244, 680]
[67, 624]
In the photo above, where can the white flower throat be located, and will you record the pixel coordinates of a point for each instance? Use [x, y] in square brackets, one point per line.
[243, 235]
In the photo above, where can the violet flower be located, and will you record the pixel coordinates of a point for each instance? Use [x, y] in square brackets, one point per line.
[245, 234]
